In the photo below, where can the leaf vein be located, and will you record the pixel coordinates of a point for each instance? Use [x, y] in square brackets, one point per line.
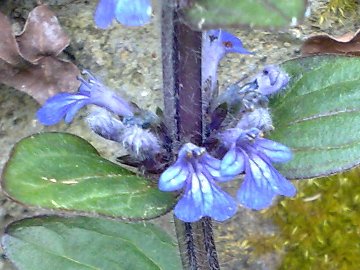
[323, 115]
[292, 98]
[309, 149]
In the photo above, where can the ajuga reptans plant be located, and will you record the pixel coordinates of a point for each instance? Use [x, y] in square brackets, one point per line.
[204, 136]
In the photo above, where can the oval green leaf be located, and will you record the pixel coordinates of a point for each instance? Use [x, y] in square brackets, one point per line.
[82, 243]
[318, 115]
[209, 14]
[62, 171]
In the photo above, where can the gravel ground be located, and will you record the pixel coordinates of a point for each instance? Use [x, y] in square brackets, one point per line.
[129, 60]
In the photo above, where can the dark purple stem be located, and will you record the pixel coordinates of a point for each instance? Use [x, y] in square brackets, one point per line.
[188, 45]
[181, 56]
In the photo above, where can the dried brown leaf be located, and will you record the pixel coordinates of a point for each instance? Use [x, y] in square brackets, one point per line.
[29, 62]
[9, 50]
[43, 80]
[42, 35]
[347, 44]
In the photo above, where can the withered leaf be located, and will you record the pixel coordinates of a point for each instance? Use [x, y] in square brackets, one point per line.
[347, 44]
[42, 35]
[30, 62]
[9, 50]
[41, 81]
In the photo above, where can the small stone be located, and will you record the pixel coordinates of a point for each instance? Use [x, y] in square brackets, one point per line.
[137, 78]
[124, 55]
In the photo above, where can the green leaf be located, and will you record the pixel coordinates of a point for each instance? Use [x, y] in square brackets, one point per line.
[209, 14]
[62, 171]
[318, 115]
[82, 243]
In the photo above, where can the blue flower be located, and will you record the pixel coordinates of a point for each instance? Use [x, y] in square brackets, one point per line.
[224, 42]
[216, 44]
[250, 153]
[271, 80]
[126, 12]
[66, 105]
[197, 172]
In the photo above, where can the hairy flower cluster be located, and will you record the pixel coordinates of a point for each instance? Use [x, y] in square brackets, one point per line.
[246, 152]
[114, 118]
[236, 132]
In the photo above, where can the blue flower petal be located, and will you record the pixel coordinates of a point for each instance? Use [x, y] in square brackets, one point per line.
[133, 12]
[56, 107]
[233, 163]
[105, 13]
[262, 182]
[210, 161]
[281, 185]
[84, 88]
[212, 166]
[276, 152]
[203, 198]
[173, 178]
[103, 97]
[253, 197]
[232, 43]
[190, 207]
[73, 109]
[223, 206]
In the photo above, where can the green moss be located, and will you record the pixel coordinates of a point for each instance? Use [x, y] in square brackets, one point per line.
[338, 7]
[320, 227]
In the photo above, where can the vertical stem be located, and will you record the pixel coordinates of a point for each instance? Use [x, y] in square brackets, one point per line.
[191, 246]
[169, 66]
[189, 79]
[181, 54]
[211, 253]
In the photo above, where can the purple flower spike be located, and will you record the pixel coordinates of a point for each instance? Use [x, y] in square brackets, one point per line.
[91, 91]
[197, 172]
[126, 12]
[271, 80]
[216, 44]
[253, 155]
